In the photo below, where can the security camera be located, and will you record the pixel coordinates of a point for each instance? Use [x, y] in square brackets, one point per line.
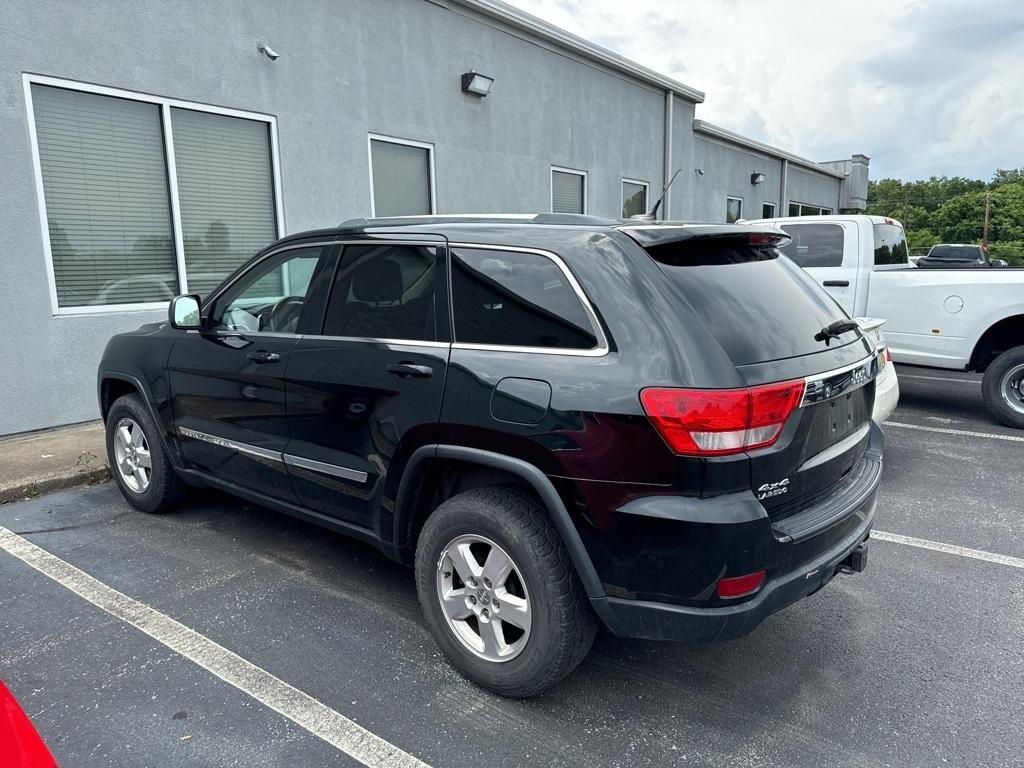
[699, 171]
[269, 52]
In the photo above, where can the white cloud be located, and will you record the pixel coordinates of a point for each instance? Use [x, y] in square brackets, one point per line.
[924, 87]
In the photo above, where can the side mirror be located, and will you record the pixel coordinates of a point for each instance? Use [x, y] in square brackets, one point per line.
[184, 313]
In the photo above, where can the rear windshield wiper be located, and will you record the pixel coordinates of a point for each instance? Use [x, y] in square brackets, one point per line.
[835, 330]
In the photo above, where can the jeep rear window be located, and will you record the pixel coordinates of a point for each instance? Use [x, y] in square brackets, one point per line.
[755, 304]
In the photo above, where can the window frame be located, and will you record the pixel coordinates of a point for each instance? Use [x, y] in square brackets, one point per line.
[775, 209]
[551, 187]
[165, 104]
[429, 146]
[600, 350]
[739, 200]
[647, 192]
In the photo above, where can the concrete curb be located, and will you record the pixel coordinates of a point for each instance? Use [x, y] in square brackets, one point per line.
[51, 459]
[33, 488]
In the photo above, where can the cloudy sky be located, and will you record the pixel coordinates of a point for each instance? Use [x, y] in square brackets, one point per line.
[924, 87]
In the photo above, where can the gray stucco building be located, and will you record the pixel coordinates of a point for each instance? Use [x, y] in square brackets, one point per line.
[150, 146]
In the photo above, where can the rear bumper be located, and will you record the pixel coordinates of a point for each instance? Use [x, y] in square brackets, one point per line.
[664, 621]
[801, 554]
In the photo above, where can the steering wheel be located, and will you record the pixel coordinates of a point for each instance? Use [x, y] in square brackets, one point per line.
[284, 315]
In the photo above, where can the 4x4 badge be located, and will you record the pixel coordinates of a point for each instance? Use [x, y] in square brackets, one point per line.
[768, 490]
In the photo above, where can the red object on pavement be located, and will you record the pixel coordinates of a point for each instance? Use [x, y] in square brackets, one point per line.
[21, 746]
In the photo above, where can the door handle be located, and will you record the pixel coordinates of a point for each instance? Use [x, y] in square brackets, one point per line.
[836, 283]
[409, 369]
[262, 356]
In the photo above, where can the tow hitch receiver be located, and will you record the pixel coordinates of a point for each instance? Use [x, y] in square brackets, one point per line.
[857, 560]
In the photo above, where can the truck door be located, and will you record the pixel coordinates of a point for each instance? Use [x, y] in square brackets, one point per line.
[829, 252]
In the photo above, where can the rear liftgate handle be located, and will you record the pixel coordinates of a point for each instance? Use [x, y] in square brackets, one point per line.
[405, 368]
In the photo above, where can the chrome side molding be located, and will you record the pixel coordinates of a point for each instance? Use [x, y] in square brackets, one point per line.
[324, 468]
[285, 458]
[246, 448]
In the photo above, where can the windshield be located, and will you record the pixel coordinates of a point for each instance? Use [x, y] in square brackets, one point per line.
[955, 252]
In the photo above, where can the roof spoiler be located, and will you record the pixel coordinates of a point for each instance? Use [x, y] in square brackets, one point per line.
[663, 234]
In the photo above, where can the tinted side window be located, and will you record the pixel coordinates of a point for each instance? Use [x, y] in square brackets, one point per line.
[516, 299]
[890, 245]
[384, 292]
[814, 245]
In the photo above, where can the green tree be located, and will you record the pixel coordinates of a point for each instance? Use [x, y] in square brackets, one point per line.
[952, 210]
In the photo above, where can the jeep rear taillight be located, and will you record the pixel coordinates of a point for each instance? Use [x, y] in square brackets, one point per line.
[718, 422]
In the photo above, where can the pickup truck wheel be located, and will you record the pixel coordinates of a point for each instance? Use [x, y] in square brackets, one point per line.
[1003, 388]
[499, 592]
[138, 462]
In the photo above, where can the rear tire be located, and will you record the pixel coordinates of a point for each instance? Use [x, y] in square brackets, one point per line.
[544, 624]
[1003, 388]
[138, 462]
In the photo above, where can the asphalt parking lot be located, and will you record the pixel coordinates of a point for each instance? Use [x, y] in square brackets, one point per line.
[917, 662]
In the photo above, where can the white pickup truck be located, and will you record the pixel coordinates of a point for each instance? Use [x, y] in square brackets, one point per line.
[959, 319]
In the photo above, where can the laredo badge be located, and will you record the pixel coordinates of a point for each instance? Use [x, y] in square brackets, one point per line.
[768, 490]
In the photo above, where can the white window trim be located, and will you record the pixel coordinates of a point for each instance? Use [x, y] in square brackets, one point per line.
[372, 137]
[165, 104]
[737, 199]
[551, 185]
[647, 192]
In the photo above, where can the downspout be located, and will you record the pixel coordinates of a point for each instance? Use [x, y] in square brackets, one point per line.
[783, 202]
[666, 206]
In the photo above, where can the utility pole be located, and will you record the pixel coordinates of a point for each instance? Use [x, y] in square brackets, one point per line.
[984, 235]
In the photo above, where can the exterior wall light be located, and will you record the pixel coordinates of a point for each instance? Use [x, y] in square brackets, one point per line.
[475, 83]
[267, 51]
[757, 178]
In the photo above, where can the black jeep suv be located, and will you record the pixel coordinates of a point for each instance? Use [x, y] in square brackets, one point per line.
[558, 420]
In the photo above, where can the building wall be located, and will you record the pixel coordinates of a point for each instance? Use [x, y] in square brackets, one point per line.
[727, 171]
[804, 186]
[347, 68]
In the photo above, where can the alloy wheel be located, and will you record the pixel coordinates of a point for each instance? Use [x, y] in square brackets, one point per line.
[131, 455]
[1012, 388]
[484, 599]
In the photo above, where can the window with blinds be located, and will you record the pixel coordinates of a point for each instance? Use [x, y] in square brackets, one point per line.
[568, 192]
[106, 193]
[634, 199]
[225, 193]
[401, 179]
[104, 167]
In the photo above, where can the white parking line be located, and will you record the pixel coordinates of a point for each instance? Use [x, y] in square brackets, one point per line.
[936, 378]
[951, 549]
[301, 708]
[944, 431]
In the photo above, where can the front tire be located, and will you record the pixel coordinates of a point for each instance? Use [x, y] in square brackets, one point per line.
[489, 546]
[1003, 388]
[138, 461]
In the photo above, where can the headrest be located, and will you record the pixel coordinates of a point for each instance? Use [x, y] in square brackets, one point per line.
[379, 279]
